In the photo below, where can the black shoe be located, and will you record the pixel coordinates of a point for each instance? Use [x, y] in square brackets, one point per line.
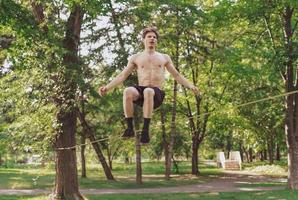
[128, 133]
[144, 137]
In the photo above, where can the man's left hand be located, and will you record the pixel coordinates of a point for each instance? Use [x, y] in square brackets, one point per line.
[194, 89]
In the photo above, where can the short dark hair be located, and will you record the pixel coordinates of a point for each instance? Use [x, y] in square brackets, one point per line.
[148, 30]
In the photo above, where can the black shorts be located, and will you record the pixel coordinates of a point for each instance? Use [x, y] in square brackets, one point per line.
[159, 95]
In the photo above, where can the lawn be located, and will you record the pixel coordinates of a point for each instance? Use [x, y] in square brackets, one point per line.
[31, 177]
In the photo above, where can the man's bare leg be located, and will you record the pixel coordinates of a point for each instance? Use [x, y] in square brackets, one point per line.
[147, 113]
[130, 94]
[148, 102]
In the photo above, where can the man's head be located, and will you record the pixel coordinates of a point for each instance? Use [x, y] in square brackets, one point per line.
[150, 36]
[148, 30]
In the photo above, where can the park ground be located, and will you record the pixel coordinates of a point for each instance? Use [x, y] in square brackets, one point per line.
[256, 181]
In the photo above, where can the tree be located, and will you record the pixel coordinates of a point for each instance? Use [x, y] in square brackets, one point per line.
[62, 73]
[278, 21]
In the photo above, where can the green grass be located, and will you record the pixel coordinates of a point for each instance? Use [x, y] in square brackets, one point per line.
[262, 184]
[263, 195]
[30, 177]
[283, 163]
[26, 178]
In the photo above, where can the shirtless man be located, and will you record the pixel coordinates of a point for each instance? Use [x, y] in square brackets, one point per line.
[150, 66]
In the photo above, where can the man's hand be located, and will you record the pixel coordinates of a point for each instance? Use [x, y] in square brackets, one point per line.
[194, 89]
[102, 91]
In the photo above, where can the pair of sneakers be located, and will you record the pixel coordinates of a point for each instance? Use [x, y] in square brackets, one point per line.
[129, 133]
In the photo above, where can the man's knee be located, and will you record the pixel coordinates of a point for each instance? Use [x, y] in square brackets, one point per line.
[148, 92]
[128, 93]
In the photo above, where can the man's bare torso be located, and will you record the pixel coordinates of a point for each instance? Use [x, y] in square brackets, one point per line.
[150, 69]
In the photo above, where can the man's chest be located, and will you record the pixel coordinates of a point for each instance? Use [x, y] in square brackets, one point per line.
[150, 63]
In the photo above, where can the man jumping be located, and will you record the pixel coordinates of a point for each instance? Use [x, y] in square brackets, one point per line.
[150, 66]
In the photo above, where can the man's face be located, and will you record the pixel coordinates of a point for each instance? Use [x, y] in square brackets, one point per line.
[150, 40]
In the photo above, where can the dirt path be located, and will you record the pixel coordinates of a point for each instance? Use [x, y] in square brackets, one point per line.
[226, 183]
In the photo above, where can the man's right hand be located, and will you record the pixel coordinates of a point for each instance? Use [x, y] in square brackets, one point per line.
[102, 90]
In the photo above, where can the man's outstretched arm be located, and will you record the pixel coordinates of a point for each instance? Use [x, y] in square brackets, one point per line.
[178, 77]
[120, 78]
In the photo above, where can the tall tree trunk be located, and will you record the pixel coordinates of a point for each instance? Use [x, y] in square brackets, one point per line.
[164, 134]
[246, 155]
[110, 158]
[261, 155]
[198, 129]
[291, 126]
[229, 144]
[175, 165]
[174, 105]
[241, 151]
[83, 159]
[66, 182]
[137, 121]
[277, 154]
[172, 134]
[195, 156]
[250, 153]
[90, 135]
[265, 154]
[195, 133]
[83, 144]
[270, 148]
